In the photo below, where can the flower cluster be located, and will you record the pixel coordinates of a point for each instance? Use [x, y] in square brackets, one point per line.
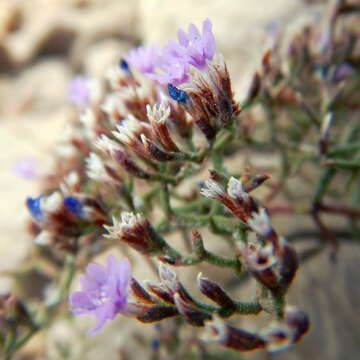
[129, 174]
[129, 151]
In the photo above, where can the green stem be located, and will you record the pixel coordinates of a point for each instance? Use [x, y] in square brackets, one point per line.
[343, 164]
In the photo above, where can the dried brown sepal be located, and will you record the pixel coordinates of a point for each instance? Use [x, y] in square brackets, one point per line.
[157, 313]
[216, 293]
[232, 337]
[160, 292]
[128, 165]
[192, 315]
[298, 321]
[254, 89]
[288, 265]
[155, 151]
[198, 244]
[255, 182]
[140, 293]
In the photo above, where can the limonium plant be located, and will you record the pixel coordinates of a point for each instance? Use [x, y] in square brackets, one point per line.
[152, 156]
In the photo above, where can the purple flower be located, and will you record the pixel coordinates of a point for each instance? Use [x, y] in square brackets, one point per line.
[198, 47]
[341, 72]
[144, 59]
[104, 291]
[79, 91]
[174, 71]
[25, 168]
[170, 64]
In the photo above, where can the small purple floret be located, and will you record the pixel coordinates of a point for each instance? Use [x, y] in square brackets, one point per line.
[342, 71]
[104, 291]
[144, 59]
[171, 63]
[78, 91]
[198, 47]
[25, 168]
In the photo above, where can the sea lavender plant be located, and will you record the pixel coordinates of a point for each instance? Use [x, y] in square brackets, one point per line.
[170, 116]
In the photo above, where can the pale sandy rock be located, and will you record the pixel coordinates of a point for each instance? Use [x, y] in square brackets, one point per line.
[101, 55]
[60, 25]
[40, 88]
[330, 294]
[10, 17]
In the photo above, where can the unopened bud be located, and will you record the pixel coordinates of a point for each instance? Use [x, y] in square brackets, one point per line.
[288, 265]
[255, 182]
[254, 88]
[192, 315]
[232, 337]
[214, 292]
[197, 244]
[128, 165]
[278, 337]
[160, 292]
[261, 262]
[140, 293]
[136, 231]
[206, 127]
[298, 321]
[157, 313]
[155, 151]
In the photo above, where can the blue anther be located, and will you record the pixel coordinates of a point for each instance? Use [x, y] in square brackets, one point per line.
[155, 344]
[73, 205]
[178, 95]
[124, 65]
[33, 205]
[322, 70]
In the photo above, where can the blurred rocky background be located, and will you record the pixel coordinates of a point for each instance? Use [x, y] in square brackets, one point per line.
[44, 43]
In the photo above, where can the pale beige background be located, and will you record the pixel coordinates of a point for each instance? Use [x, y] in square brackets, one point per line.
[36, 63]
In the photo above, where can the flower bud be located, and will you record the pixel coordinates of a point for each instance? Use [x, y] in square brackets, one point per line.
[155, 151]
[158, 116]
[157, 313]
[296, 320]
[254, 88]
[86, 207]
[128, 165]
[261, 262]
[140, 293]
[232, 337]
[288, 265]
[159, 291]
[136, 231]
[280, 335]
[192, 315]
[214, 292]
[99, 171]
[197, 244]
